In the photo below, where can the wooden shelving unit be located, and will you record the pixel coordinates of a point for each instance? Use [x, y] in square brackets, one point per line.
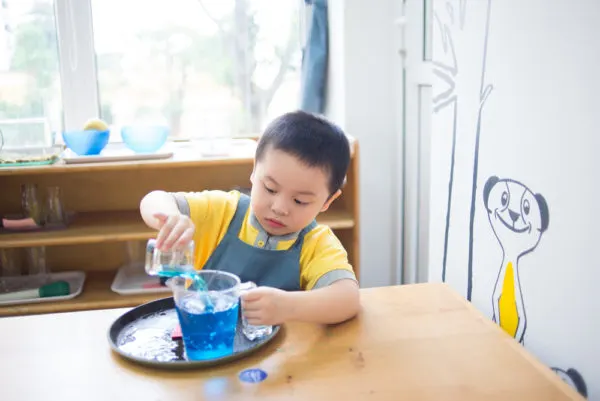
[105, 198]
[95, 227]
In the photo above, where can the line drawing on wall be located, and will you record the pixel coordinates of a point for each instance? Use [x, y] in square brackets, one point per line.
[484, 93]
[447, 72]
[573, 378]
[518, 218]
[462, 88]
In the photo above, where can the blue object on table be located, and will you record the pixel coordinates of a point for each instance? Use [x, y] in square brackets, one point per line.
[145, 139]
[86, 142]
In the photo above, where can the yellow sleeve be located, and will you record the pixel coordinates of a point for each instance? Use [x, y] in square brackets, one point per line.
[323, 260]
[211, 212]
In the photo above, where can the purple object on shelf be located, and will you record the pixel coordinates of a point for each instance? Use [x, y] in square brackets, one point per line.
[19, 224]
[14, 223]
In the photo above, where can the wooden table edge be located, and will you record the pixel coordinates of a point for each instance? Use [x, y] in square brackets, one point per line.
[527, 355]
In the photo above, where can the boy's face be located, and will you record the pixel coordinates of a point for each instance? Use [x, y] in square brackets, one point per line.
[287, 194]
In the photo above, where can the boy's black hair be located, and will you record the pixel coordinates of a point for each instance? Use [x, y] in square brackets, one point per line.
[314, 140]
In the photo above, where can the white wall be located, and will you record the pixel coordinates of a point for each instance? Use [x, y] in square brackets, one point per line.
[539, 127]
[362, 97]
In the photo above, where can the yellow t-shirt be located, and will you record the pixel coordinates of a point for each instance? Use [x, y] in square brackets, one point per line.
[323, 259]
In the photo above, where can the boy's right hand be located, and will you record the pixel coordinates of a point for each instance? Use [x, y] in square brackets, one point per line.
[176, 231]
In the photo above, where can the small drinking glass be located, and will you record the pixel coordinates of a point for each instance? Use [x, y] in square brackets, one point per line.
[55, 212]
[10, 263]
[36, 261]
[10, 267]
[169, 263]
[30, 202]
[135, 251]
[252, 331]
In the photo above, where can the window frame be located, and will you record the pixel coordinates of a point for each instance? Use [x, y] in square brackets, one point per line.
[77, 60]
[77, 63]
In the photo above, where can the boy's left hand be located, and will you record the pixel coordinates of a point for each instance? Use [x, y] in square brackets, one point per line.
[266, 305]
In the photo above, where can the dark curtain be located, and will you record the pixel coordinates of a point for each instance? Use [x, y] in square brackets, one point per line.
[314, 60]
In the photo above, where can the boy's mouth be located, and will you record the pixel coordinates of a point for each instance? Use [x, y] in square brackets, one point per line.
[274, 223]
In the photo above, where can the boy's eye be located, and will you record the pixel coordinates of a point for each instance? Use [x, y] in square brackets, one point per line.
[300, 202]
[269, 190]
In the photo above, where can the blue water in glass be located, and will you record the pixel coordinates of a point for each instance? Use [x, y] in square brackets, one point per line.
[208, 332]
[174, 271]
[169, 273]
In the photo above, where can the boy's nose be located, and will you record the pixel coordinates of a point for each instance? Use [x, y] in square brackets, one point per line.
[279, 209]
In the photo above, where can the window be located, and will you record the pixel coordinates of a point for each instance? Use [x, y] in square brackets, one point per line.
[206, 68]
[30, 95]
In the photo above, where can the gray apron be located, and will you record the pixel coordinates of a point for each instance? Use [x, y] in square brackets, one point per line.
[272, 268]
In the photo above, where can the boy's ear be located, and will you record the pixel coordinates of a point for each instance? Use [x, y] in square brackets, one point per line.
[333, 197]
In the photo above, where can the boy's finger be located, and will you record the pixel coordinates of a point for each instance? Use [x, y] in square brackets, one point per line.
[250, 306]
[173, 237]
[250, 296]
[252, 315]
[162, 235]
[185, 238]
[255, 321]
[162, 218]
[164, 232]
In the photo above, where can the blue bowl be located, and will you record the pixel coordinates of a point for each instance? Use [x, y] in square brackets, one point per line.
[87, 142]
[144, 139]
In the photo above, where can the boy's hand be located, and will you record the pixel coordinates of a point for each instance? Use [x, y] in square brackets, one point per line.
[266, 305]
[176, 231]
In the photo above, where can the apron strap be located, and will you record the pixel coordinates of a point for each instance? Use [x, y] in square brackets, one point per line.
[306, 230]
[300, 240]
[240, 212]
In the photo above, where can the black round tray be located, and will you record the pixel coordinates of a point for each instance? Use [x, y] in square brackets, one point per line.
[143, 335]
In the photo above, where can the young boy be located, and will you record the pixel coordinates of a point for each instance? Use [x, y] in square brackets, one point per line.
[271, 238]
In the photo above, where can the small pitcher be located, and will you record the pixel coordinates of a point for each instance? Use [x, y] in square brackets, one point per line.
[207, 306]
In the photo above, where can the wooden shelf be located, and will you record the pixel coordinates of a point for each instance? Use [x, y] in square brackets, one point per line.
[87, 228]
[96, 294]
[185, 154]
[95, 227]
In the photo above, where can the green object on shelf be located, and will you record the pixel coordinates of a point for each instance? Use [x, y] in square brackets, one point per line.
[55, 289]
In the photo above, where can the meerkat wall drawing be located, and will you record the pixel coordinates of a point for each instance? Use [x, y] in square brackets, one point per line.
[518, 218]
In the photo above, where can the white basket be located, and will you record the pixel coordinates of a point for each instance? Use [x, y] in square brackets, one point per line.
[132, 279]
[76, 279]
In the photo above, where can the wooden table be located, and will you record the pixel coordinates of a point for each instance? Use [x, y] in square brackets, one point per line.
[418, 342]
